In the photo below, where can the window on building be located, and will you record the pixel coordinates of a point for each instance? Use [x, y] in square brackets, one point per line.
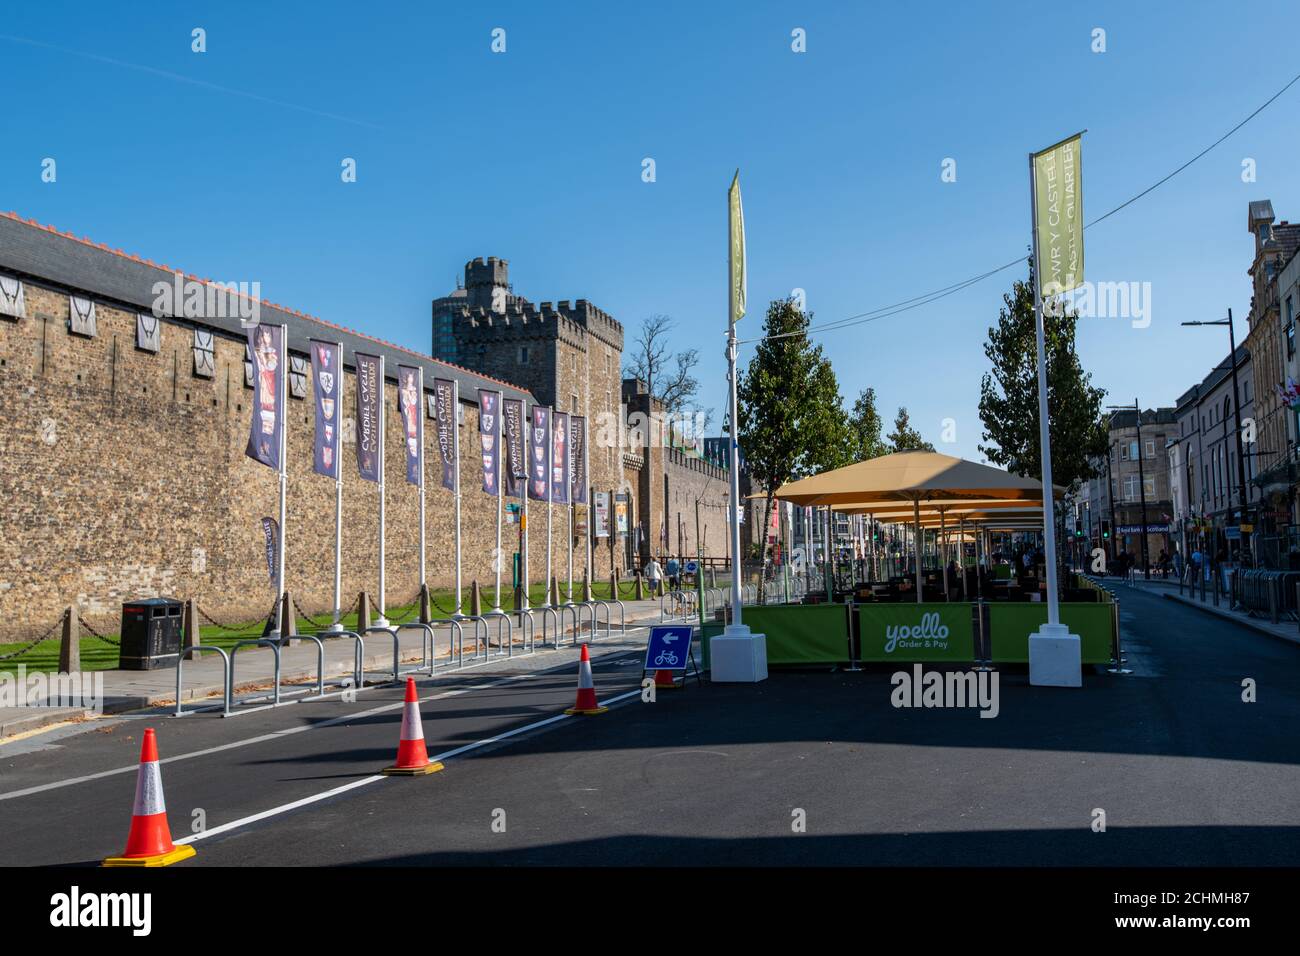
[1130, 488]
[1149, 488]
[1150, 450]
[1123, 452]
[523, 355]
[1133, 450]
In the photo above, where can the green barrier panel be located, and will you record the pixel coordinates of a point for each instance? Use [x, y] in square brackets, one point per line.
[708, 630]
[916, 632]
[795, 633]
[802, 633]
[1011, 624]
[1002, 572]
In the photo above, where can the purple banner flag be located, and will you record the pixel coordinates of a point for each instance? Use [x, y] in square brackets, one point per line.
[370, 392]
[410, 385]
[539, 447]
[327, 390]
[444, 391]
[560, 458]
[489, 433]
[578, 459]
[266, 346]
[515, 454]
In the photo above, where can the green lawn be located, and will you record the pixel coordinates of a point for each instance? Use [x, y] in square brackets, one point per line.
[98, 654]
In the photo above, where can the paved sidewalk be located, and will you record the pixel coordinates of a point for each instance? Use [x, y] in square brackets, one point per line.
[254, 667]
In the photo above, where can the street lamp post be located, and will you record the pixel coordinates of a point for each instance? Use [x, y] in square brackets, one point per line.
[1236, 406]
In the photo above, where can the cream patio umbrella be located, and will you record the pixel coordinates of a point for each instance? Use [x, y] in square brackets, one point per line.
[913, 477]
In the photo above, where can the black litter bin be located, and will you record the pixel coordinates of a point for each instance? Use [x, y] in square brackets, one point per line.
[151, 634]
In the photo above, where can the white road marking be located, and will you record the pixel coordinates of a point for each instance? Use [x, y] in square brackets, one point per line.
[365, 781]
[274, 735]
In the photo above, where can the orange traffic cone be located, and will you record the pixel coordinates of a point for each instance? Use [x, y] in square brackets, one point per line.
[412, 757]
[587, 703]
[665, 679]
[150, 841]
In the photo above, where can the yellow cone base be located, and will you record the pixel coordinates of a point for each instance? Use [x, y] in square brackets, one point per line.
[587, 712]
[162, 859]
[412, 771]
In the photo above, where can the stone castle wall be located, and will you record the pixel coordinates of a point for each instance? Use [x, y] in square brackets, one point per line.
[123, 475]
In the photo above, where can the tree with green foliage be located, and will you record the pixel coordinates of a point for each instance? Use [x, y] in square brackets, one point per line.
[1009, 396]
[904, 437]
[1008, 404]
[863, 429]
[792, 421]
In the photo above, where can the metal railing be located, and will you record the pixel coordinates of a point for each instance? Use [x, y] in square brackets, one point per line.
[225, 676]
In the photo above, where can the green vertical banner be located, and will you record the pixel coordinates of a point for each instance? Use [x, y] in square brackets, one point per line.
[1058, 200]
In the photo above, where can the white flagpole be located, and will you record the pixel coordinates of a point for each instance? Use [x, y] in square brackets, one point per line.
[455, 454]
[1044, 427]
[285, 619]
[338, 501]
[737, 654]
[382, 620]
[501, 459]
[1055, 658]
[419, 418]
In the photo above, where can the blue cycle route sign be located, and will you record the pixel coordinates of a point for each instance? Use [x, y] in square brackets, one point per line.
[669, 648]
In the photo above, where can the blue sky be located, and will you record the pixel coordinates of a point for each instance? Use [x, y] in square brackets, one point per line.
[535, 155]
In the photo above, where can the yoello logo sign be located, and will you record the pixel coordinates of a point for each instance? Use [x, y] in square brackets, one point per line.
[929, 633]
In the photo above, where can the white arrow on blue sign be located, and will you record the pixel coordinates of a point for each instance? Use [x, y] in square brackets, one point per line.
[669, 648]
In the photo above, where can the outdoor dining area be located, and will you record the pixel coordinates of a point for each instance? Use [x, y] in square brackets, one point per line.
[973, 603]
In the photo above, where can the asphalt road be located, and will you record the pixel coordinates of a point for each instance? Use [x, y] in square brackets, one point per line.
[1185, 771]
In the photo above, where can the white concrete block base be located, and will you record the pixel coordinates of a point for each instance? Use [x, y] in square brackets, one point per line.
[1055, 657]
[737, 656]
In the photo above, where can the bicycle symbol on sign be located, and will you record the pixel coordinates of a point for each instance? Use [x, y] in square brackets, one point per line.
[667, 658]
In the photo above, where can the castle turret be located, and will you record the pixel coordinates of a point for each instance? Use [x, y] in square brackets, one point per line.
[487, 282]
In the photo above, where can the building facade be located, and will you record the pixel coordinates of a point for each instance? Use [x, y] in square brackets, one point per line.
[1202, 453]
[1272, 352]
[1137, 484]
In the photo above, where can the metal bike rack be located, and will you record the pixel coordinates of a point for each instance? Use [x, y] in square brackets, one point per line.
[397, 643]
[456, 637]
[501, 616]
[427, 647]
[320, 661]
[609, 619]
[595, 620]
[225, 676]
[527, 629]
[560, 610]
[257, 642]
[576, 610]
[479, 623]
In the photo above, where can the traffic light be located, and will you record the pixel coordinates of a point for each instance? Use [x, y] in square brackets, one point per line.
[1105, 528]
